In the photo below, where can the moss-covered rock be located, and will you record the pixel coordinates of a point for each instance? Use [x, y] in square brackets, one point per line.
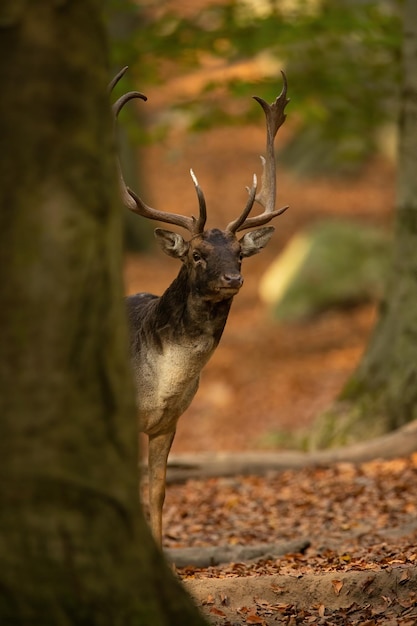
[334, 263]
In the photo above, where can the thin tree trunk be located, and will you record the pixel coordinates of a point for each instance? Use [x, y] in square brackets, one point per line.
[382, 394]
[74, 547]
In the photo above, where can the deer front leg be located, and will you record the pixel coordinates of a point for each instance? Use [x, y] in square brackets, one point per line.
[159, 447]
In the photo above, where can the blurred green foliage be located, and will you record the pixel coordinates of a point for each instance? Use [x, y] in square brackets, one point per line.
[342, 58]
[344, 263]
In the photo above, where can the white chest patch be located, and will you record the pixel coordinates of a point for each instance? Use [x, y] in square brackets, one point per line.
[167, 382]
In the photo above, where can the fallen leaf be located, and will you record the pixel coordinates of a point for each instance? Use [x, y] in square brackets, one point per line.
[224, 599]
[367, 582]
[243, 610]
[253, 618]
[217, 612]
[208, 600]
[337, 586]
[405, 577]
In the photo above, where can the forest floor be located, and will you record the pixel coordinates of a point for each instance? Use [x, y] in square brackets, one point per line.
[262, 390]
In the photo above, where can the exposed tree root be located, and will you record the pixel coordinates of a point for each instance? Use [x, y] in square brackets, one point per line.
[215, 555]
[399, 443]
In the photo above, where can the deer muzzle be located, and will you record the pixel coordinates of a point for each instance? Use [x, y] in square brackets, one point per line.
[232, 281]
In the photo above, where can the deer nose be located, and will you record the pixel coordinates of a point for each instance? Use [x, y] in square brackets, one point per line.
[232, 281]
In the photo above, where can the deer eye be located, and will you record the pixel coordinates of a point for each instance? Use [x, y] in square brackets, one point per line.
[196, 256]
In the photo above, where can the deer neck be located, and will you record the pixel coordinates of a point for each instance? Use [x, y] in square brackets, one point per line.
[188, 314]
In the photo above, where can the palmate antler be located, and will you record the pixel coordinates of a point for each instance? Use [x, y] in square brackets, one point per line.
[275, 117]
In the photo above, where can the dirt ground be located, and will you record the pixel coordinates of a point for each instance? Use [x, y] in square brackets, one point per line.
[359, 566]
[266, 382]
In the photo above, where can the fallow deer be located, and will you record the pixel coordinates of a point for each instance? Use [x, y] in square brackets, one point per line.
[174, 335]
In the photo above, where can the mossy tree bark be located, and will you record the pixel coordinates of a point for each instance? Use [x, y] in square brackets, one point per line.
[74, 546]
[382, 394]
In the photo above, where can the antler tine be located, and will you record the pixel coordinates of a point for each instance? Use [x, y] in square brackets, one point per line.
[112, 84]
[201, 222]
[275, 117]
[234, 226]
[132, 201]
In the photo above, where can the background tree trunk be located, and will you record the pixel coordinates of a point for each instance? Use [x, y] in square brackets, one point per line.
[73, 547]
[382, 393]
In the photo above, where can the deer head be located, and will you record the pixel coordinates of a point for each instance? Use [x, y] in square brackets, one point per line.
[213, 257]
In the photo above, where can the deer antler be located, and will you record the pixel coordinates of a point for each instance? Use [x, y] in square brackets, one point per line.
[132, 201]
[275, 117]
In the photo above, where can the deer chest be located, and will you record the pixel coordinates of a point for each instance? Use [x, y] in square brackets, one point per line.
[167, 381]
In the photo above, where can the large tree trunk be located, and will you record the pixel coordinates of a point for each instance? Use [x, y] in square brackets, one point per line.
[73, 547]
[382, 394]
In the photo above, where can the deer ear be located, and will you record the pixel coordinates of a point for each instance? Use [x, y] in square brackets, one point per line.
[253, 242]
[171, 243]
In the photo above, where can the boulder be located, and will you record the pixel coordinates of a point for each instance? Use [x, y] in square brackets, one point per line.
[335, 263]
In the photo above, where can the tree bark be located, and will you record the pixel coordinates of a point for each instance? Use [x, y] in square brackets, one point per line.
[382, 394]
[74, 546]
